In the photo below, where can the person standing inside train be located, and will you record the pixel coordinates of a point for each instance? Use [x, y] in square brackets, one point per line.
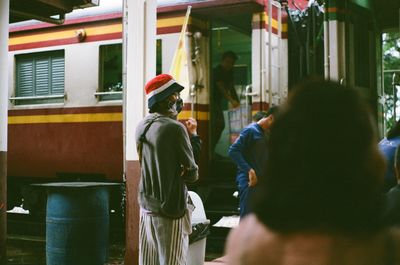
[223, 92]
[167, 163]
[249, 154]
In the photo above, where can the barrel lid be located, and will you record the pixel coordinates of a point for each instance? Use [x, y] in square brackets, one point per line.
[76, 184]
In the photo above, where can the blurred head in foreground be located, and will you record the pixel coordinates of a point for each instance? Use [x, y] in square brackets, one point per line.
[324, 171]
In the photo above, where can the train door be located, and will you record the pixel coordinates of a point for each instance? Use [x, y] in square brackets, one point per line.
[305, 41]
[230, 47]
[229, 35]
[350, 43]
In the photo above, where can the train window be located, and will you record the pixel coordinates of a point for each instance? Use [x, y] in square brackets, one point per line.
[110, 72]
[40, 78]
[110, 83]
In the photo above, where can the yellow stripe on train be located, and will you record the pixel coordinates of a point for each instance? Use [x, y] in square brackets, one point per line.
[66, 118]
[91, 117]
[264, 19]
[178, 21]
[198, 115]
[90, 31]
[64, 34]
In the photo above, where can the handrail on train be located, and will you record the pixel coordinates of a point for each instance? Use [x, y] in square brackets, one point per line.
[108, 93]
[248, 92]
[38, 97]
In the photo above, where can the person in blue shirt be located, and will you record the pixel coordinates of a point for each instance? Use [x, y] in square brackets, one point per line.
[391, 214]
[249, 154]
[388, 147]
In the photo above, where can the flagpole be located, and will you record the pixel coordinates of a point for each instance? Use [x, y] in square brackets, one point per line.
[180, 63]
[184, 27]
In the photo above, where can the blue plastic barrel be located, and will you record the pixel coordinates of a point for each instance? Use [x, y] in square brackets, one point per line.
[77, 223]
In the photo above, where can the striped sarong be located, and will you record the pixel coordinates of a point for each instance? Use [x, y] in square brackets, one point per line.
[163, 241]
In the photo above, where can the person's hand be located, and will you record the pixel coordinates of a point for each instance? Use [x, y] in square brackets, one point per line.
[191, 126]
[235, 104]
[252, 178]
[182, 170]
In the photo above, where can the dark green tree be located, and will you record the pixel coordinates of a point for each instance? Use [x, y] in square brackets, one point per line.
[391, 64]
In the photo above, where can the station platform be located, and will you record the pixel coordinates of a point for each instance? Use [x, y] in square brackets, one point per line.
[218, 261]
[31, 251]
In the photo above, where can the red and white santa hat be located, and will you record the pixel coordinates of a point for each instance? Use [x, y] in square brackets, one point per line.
[161, 87]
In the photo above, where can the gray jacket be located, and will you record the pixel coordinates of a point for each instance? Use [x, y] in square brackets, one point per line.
[167, 163]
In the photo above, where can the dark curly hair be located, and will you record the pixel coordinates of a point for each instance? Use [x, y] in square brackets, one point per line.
[322, 166]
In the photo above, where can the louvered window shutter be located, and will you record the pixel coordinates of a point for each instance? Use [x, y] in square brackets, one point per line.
[25, 73]
[40, 74]
[57, 75]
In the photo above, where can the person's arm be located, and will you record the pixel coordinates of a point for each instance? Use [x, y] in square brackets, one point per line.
[185, 151]
[195, 141]
[233, 94]
[237, 148]
[252, 243]
[232, 246]
[221, 86]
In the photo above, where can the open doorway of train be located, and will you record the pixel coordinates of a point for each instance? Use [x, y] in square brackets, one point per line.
[230, 37]
[229, 33]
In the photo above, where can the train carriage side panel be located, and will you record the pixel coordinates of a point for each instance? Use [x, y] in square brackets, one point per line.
[269, 73]
[56, 139]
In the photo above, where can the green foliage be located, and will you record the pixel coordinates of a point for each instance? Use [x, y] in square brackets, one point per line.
[391, 63]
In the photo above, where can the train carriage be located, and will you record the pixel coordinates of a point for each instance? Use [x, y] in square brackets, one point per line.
[65, 92]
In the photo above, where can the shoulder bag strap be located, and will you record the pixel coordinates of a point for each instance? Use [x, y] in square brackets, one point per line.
[142, 138]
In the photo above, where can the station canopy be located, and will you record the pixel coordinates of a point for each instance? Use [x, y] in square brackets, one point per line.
[21, 10]
[388, 13]
[211, 8]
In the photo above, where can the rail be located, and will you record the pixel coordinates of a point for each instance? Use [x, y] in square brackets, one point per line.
[108, 93]
[38, 97]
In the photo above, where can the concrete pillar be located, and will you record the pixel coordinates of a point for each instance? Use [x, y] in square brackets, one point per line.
[139, 47]
[4, 17]
[335, 40]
